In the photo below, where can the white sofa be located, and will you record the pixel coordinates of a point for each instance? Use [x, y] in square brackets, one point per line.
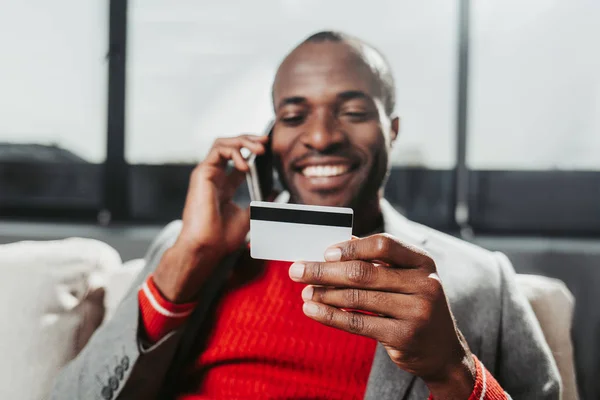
[55, 294]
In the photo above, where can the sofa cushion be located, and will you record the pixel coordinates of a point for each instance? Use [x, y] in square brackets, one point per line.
[51, 301]
[553, 304]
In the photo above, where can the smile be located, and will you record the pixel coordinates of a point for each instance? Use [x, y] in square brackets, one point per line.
[325, 171]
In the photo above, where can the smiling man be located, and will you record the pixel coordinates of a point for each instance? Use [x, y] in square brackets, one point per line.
[442, 318]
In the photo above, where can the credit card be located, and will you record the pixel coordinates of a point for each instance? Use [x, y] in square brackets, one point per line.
[295, 232]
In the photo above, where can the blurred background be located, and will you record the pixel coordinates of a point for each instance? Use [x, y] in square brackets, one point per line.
[107, 105]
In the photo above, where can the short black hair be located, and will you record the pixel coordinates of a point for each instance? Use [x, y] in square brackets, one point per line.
[370, 55]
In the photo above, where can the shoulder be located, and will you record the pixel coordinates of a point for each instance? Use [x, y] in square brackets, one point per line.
[464, 257]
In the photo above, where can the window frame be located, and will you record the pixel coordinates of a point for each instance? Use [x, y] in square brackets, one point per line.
[508, 202]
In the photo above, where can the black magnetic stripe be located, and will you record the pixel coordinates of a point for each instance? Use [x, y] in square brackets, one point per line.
[301, 216]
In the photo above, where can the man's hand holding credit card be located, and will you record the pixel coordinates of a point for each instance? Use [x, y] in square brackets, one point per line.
[294, 232]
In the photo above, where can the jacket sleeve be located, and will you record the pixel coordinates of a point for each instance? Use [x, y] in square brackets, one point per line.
[526, 367]
[115, 364]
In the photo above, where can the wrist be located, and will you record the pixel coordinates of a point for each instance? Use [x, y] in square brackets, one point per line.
[182, 271]
[456, 382]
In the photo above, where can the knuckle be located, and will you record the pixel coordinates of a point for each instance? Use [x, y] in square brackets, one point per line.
[382, 243]
[350, 249]
[396, 356]
[353, 297]
[329, 316]
[432, 288]
[427, 262]
[356, 322]
[317, 271]
[422, 311]
[360, 273]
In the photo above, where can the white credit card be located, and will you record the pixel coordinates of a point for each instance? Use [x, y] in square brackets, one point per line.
[295, 232]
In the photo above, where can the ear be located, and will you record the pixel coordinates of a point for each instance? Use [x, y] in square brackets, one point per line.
[394, 128]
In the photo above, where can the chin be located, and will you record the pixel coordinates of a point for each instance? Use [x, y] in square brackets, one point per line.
[323, 199]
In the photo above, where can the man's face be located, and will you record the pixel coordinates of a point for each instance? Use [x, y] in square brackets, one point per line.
[332, 136]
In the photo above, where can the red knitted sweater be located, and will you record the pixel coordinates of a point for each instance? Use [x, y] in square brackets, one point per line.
[263, 346]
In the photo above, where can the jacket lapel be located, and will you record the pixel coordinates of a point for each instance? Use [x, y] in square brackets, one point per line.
[386, 380]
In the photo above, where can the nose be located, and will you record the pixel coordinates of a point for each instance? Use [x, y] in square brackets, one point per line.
[322, 133]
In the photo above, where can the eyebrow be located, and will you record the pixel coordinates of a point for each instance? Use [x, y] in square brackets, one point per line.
[353, 94]
[291, 100]
[344, 96]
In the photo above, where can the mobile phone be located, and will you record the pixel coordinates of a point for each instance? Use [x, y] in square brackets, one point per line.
[260, 177]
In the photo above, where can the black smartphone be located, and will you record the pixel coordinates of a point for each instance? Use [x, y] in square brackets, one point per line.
[260, 178]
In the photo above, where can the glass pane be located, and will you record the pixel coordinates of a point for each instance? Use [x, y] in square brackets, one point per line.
[535, 85]
[198, 70]
[53, 80]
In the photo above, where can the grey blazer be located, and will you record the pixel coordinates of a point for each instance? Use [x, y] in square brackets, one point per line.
[493, 315]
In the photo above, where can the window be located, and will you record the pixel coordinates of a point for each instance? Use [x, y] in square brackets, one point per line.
[53, 77]
[199, 71]
[195, 71]
[535, 85]
[534, 115]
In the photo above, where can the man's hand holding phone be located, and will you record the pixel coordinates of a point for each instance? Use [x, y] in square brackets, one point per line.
[213, 225]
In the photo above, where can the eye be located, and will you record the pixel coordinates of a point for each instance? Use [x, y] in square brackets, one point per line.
[355, 115]
[292, 119]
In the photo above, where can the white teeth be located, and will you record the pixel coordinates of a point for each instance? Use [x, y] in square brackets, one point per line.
[325, 170]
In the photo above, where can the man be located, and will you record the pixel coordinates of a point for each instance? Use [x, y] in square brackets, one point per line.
[209, 322]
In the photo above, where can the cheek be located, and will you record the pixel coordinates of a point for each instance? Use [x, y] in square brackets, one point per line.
[281, 142]
[372, 143]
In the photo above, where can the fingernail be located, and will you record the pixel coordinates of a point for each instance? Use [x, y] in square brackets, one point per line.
[297, 271]
[333, 254]
[307, 293]
[310, 309]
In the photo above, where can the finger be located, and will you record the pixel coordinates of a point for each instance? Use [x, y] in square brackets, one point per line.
[360, 324]
[252, 142]
[255, 138]
[386, 304]
[255, 144]
[359, 275]
[254, 147]
[233, 181]
[246, 136]
[219, 156]
[381, 247]
[238, 160]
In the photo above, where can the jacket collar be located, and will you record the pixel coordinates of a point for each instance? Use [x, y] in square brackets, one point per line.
[399, 226]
